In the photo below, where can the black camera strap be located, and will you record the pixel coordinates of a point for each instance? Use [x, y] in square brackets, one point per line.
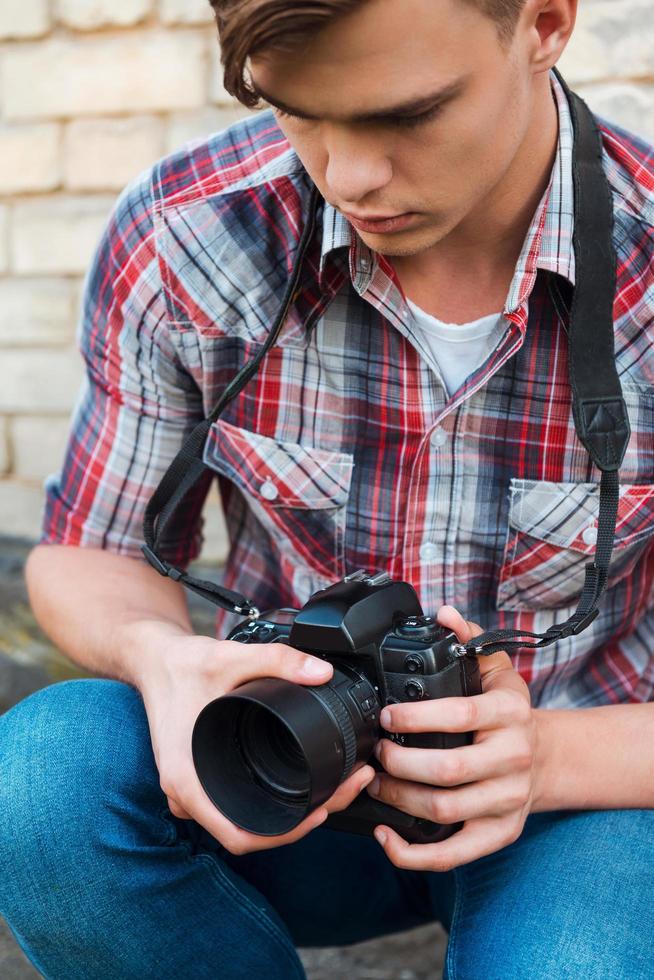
[599, 410]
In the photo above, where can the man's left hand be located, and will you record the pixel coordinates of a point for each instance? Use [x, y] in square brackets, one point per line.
[489, 785]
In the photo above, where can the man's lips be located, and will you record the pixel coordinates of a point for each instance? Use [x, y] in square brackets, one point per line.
[384, 224]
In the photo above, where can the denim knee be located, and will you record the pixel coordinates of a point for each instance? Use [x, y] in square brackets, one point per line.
[75, 758]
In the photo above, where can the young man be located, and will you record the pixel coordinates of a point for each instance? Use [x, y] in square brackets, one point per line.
[414, 416]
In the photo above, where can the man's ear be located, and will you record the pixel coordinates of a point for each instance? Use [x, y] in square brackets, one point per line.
[550, 24]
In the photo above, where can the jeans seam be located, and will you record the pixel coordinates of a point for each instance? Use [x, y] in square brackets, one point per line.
[213, 865]
[456, 918]
[259, 915]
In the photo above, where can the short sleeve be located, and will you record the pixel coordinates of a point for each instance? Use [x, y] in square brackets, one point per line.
[138, 401]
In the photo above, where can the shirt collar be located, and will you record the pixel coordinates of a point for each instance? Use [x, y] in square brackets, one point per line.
[547, 245]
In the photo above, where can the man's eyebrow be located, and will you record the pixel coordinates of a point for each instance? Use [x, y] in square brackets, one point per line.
[411, 106]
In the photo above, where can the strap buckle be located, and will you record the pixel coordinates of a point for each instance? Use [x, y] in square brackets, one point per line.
[575, 625]
[160, 566]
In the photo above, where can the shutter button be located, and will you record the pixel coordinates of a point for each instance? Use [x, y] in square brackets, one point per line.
[268, 490]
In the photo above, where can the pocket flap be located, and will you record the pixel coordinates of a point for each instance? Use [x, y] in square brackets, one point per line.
[561, 513]
[279, 474]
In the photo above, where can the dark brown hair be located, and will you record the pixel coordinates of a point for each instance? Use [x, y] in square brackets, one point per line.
[249, 27]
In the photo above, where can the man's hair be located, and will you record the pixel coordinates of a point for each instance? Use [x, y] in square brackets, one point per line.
[250, 27]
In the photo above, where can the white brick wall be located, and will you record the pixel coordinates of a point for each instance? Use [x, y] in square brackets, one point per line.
[91, 92]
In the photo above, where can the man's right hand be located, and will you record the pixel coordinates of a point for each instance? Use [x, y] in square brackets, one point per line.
[179, 675]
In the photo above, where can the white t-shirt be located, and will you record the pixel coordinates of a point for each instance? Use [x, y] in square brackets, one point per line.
[457, 348]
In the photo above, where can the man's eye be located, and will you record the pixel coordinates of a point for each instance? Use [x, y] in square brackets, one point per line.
[410, 121]
[402, 121]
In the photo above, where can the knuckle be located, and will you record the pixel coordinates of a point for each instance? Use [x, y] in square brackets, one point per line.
[453, 770]
[168, 786]
[235, 846]
[522, 757]
[443, 810]
[471, 714]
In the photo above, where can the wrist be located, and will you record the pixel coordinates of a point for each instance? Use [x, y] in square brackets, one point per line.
[546, 769]
[147, 647]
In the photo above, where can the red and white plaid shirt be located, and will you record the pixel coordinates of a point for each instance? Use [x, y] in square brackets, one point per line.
[344, 451]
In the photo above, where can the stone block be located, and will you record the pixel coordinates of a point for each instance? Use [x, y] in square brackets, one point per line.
[57, 234]
[185, 126]
[19, 19]
[104, 154]
[4, 237]
[88, 15]
[217, 91]
[137, 71]
[30, 157]
[21, 507]
[216, 546]
[629, 105]
[40, 381]
[613, 39]
[186, 12]
[37, 312]
[5, 461]
[37, 445]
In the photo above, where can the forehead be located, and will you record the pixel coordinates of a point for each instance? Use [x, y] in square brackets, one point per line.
[378, 53]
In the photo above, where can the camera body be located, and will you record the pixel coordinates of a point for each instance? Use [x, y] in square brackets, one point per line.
[384, 650]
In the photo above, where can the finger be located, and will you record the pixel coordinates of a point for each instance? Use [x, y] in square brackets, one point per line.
[491, 798]
[492, 709]
[254, 660]
[451, 619]
[452, 767]
[177, 810]
[465, 630]
[350, 789]
[240, 841]
[476, 839]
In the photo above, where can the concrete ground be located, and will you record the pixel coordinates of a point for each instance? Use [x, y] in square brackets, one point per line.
[28, 661]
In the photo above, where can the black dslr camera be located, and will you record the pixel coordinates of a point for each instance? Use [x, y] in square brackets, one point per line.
[271, 751]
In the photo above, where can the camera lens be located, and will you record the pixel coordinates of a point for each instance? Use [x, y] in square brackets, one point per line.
[272, 753]
[269, 752]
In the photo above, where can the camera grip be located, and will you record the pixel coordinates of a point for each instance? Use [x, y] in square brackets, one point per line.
[461, 678]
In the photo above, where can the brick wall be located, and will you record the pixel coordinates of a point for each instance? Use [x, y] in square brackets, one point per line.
[91, 92]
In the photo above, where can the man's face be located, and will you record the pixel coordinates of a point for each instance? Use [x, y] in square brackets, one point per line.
[441, 167]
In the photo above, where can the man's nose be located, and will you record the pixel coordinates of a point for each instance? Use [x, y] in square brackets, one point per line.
[355, 169]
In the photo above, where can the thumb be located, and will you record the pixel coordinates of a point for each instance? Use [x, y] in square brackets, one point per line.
[278, 660]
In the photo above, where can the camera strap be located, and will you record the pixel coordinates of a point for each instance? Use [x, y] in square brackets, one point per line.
[599, 411]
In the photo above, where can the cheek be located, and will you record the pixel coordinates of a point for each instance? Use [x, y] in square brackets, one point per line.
[309, 149]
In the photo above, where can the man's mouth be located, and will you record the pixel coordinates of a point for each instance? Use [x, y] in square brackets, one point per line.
[381, 224]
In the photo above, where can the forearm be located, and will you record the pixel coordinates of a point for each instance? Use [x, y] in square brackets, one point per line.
[595, 758]
[107, 612]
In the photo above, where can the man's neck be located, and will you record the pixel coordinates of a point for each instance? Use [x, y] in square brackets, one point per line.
[468, 273]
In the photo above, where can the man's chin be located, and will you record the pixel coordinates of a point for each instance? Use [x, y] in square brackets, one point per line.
[410, 242]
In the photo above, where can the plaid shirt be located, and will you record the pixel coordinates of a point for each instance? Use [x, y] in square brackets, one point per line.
[344, 451]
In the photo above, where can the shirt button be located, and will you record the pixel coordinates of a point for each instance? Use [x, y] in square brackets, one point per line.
[429, 551]
[590, 535]
[438, 437]
[268, 490]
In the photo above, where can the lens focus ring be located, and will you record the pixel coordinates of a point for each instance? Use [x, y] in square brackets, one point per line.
[332, 700]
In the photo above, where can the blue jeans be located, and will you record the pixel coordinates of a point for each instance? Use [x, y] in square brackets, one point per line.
[99, 880]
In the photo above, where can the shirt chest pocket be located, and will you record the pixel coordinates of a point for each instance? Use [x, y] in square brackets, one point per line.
[551, 537]
[298, 494]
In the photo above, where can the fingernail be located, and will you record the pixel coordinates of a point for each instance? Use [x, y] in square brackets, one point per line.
[378, 749]
[385, 718]
[373, 787]
[315, 668]
[380, 835]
